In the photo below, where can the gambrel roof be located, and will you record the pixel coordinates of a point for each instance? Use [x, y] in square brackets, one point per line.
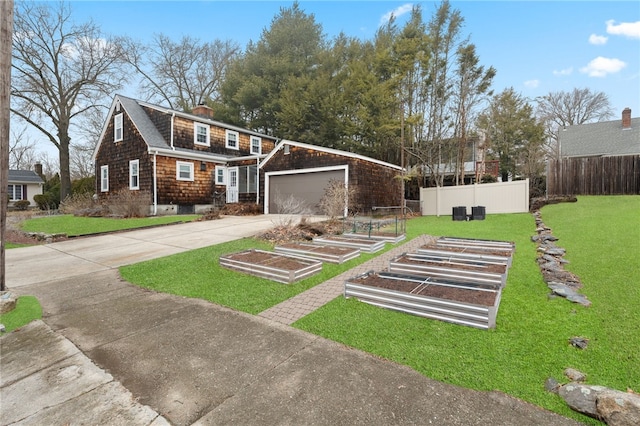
[603, 139]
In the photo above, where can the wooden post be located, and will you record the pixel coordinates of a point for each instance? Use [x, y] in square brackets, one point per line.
[6, 31]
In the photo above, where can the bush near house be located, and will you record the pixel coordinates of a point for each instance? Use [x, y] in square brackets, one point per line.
[22, 204]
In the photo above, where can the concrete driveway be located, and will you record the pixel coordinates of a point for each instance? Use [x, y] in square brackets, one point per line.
[108, 352]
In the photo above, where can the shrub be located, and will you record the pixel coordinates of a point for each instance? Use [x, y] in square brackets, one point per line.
[46, 201]
[129, 203]
[84, 186]
[81, 204]
[22, 204]
[288, 207]
[334, 199]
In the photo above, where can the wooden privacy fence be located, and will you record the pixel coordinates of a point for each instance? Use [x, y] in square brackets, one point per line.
[594, 176]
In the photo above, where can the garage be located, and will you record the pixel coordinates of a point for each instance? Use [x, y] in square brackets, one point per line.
[305, 186]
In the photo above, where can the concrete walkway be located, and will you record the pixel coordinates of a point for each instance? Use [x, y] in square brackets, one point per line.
[108, 352]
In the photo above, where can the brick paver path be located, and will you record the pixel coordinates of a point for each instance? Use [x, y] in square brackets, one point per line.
[293, 309]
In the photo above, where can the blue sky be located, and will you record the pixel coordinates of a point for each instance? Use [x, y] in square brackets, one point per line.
[536, 46]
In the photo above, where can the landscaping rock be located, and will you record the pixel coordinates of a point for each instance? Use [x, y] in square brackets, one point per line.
[579, 342]
[581, 397]
[575, 375]
[7, 302]
[551, 385]
[618, 408]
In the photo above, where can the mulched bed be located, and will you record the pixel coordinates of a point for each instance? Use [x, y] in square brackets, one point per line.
[483, 298]
[505, 253]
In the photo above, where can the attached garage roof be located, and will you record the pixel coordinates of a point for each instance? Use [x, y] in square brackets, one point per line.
[284, 142]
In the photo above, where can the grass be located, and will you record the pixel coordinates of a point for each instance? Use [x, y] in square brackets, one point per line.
[197, 274]
[13, 245]
[74, 226]
[27, 309]
[529, 345]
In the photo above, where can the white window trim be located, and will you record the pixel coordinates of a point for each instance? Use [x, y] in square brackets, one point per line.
[131, 175]
[226, 138]
[118, 124]
[196, 125]
[259, 140]
[191, 169]
[224, 175]
[104, 180]
[13, 192]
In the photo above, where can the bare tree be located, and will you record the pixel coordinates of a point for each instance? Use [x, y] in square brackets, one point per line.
[184, 74]
[62, 69]
[561, 109]
[22, 150]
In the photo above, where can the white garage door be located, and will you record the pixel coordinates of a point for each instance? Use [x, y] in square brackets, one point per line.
[307, 188]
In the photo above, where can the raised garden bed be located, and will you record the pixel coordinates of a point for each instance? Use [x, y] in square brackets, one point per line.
[273, 266]
[471, 253]
[493, 246]
[427, 297]
[387, 237]
[365, 245]
[323, 253]
[491, 275]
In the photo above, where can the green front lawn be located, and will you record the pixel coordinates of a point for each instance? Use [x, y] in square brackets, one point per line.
[74, 226]
[530, 343]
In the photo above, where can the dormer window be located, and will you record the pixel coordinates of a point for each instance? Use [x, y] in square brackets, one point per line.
[117, 127]
[256, 145]
[201, 134]
[232, 139]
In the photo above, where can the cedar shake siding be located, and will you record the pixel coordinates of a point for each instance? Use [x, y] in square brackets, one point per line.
[375, 184]
[174, 191]
[117, 155]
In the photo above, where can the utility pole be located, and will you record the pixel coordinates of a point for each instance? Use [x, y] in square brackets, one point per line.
[6, 32]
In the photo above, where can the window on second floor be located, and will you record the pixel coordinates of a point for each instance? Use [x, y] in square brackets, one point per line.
[201, 134]
[256, 145]
[117, 128]
[232, 139]
[134, 174]
[184, 170]
[104, 178]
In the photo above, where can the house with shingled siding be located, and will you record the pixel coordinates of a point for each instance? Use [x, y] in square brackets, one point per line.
[189, 162]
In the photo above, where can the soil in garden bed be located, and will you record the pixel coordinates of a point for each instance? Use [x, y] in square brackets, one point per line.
[268, 259]
[331, 250]
[472, 250]
[489, 268]
[476, 297]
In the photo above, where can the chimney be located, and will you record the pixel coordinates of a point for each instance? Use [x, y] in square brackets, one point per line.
[38, 169]
[626, 118]
[203, 111]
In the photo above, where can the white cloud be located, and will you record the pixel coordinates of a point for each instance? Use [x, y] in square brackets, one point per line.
[397, 12]
[628, 29]
[597, 39]
[532, 84]
[600, 67]
[566, 71]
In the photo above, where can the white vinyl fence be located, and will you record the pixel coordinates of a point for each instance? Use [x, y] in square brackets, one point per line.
[501, 197]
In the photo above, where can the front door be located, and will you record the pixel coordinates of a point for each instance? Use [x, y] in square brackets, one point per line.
[232, 185]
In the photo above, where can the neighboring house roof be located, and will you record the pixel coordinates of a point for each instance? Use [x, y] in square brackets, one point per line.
[606, 138]
[152, 136]
[24, 176]
[326, 150]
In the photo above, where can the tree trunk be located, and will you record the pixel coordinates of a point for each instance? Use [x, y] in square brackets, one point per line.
[6, 30]
[64, 158]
